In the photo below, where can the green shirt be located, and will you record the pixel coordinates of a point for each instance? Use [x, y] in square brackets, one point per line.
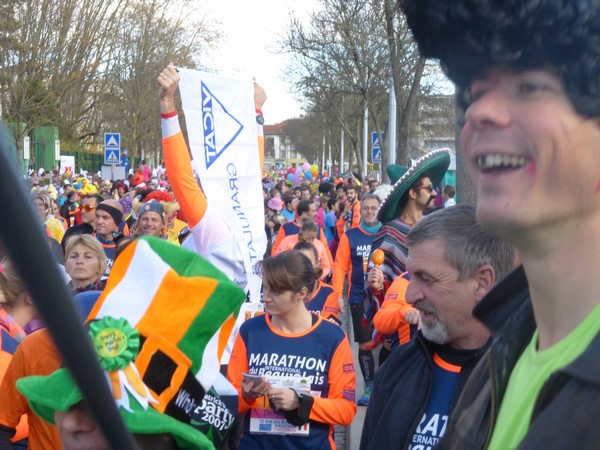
[529, 375]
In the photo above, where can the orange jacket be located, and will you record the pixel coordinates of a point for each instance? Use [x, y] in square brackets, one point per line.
[138, 178]
[390, 317]
[355, 211]
[340, 226]
[35, 355]
[282, 234]
[289, 242]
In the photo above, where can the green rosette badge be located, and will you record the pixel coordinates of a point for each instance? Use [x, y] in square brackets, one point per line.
[115, 341]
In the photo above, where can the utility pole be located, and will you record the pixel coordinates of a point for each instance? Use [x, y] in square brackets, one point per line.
[391, 153]
[365, 138]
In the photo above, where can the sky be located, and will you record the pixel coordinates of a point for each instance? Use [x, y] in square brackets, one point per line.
[251, 31]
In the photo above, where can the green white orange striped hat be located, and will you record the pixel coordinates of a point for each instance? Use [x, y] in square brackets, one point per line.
[156, 331]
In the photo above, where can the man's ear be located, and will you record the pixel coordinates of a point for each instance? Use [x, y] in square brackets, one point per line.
[485, 276]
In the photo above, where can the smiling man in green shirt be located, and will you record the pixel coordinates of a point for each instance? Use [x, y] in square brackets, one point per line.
[528, 75]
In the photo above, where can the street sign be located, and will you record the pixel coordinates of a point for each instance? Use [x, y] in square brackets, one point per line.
[376, 155]
[112, 148]
[112, 156]
[112, 140]
[113, 173]
[57, 150]
[376, 138]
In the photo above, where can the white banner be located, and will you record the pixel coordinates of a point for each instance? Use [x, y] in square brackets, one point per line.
[67, 163]
[221, 126]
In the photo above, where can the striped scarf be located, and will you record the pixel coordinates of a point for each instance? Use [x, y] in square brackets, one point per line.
[391, 238]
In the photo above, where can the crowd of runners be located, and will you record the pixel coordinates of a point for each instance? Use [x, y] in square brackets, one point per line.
[483, 317]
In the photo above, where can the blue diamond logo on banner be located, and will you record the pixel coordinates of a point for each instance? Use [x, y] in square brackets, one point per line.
[217, 136]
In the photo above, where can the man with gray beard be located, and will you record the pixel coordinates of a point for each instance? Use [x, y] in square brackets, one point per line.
[453, 263]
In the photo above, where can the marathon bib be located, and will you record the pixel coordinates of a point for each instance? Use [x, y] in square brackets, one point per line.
[264, 420]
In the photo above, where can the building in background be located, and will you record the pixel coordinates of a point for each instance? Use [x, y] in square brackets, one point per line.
[279, 151]
[435, 128]
[435, 125]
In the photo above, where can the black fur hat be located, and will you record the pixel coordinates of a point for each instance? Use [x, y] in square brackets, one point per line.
[468, 36]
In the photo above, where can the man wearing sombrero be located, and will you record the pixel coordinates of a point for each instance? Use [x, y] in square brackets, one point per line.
[413, 191]
[530, 74]
[411, 194]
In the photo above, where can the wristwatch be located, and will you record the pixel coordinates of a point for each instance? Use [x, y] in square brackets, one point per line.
[260, 119]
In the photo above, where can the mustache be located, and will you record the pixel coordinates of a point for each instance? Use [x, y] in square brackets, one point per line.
[431, 199]
[425, 307]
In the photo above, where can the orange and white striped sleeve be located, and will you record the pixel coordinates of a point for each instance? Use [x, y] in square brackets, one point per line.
[190, 197]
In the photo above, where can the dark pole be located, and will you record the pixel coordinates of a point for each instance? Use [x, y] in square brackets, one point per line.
[465, 191]
[28, 249]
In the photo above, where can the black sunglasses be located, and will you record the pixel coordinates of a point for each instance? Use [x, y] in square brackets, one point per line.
[429, 188]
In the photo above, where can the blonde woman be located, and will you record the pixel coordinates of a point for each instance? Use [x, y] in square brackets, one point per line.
[85, 263]
[43, 206]
[15, 299]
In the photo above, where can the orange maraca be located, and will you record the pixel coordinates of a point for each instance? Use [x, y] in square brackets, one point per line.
[378, 257]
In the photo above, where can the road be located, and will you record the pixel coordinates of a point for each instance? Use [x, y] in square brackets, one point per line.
[349, 437]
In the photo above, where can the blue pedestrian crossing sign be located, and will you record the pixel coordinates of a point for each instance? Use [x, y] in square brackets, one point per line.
[112, 156]
[376, 138]
[112, 140]
[376, 155]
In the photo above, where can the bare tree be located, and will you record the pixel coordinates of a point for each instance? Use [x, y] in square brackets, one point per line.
[53, 74]
[341, 58]
[407, 70]
[346, 56]
[155, 33]
[89, 66]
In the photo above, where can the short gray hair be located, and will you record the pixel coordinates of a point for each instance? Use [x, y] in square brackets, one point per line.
[467, 245]
[370, 196]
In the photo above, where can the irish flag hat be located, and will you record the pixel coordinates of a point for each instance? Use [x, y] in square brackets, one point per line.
[155, 329]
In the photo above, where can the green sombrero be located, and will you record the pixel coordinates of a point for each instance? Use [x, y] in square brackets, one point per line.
[434, 164]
